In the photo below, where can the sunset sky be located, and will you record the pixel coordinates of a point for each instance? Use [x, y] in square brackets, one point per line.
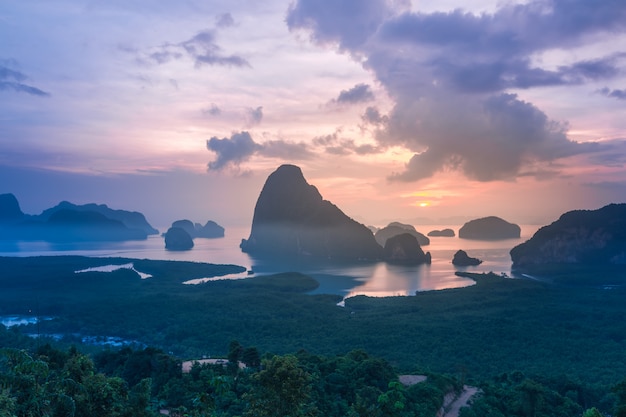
[417, 111]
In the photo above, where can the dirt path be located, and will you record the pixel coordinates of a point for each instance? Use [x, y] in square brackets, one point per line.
[453, 408]
[452, 403]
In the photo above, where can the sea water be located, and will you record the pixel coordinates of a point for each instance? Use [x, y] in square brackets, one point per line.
[373, 279]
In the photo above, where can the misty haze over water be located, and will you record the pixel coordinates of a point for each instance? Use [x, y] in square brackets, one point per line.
[373, 279]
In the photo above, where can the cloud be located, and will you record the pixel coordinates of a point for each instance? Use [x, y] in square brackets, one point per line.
[373, 116]
[286, 151]
[450, 74]
[254, 116]
[617, 187]
[11, 79]
[224, 20]
[613, 154]
[240, 147]
[335, 145]
[347, 22]
[618, 94]
[201, 48]
[234, 150]
[492, 142]
[360, 93]
[212, 110]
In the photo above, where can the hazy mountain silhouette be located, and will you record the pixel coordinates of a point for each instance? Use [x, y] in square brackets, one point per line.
[68, 222]
[489, 228]
[578, 237]
[131, 219]
[210, 230]
[291, 219]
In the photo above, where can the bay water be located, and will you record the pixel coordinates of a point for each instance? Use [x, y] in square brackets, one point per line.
[372, 279]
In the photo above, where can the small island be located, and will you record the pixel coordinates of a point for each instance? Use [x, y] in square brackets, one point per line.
[405, 249]
[442, 233]
[461, 258]
[489, 228]
[211, 230]
[177, 239]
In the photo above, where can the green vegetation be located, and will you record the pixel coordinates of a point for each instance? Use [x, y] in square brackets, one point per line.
[52, 382]
[566, 341]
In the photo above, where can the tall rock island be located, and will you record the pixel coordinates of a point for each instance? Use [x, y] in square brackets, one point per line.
[596, 237]
[291, 219]
[405, 249]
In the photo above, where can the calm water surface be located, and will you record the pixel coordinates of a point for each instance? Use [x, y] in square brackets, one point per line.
[375, 279]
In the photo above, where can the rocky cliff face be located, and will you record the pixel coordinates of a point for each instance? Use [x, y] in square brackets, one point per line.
[291, 219]
[489, 228]
[578, 237]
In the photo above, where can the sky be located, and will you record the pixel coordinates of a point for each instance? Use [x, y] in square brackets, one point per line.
[424, 111]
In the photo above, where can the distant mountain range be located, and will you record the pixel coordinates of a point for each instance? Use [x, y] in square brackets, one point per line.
[71, 222]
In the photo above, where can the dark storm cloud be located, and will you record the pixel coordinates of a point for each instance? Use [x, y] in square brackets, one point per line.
[449, 76]
[202, 49]
[360, 93]
[12, 80]
[240, 147]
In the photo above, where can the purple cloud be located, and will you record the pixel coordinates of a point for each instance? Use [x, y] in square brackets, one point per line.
[240, 147]
[201, 48]
[11, 79]
[360, 93]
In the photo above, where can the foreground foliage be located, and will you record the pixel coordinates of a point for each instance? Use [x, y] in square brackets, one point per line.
[149, 382]
[51, 382]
